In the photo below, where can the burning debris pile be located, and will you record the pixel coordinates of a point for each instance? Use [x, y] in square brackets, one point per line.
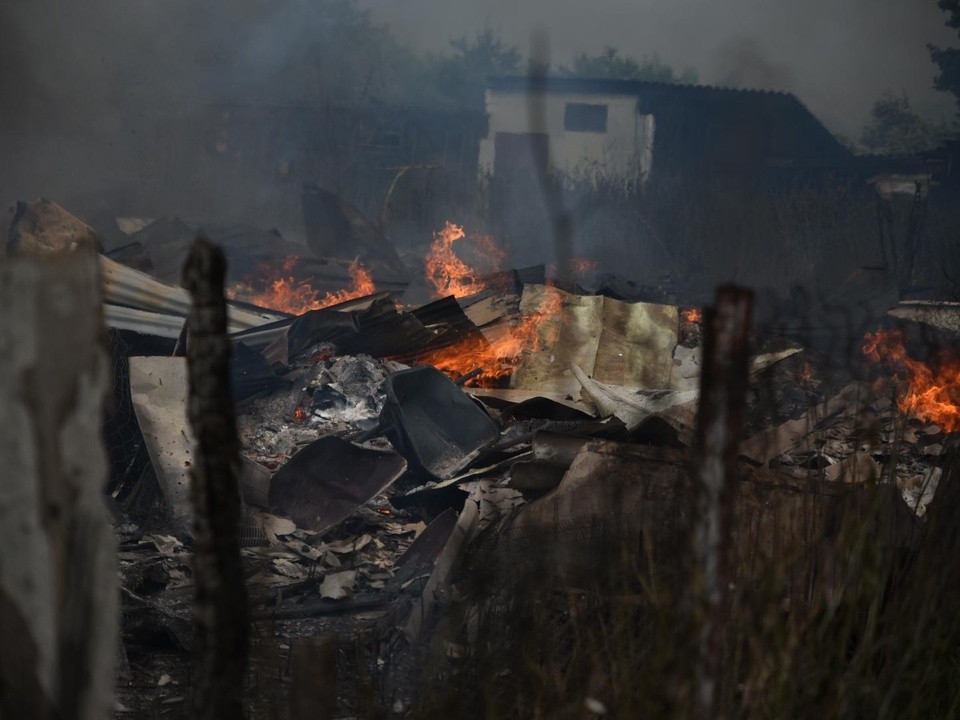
[381, 441]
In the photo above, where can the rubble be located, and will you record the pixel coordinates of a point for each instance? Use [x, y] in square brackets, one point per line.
[329, 479]
[43, 227]
[384, 448]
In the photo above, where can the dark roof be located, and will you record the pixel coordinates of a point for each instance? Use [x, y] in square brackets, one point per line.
[656, 96]
[613, 86]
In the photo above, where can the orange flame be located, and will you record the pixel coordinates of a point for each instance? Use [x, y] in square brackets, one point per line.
[299, 414]
[450, 275]
[931, 393]
[693, 315]
[498, 357]
[806, 374]
[277, 289]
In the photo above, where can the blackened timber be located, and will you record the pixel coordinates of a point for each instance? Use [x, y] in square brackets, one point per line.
[221, 612]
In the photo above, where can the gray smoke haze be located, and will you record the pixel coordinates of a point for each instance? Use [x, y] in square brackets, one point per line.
[837, 55]
[743, 63]
[91, 89]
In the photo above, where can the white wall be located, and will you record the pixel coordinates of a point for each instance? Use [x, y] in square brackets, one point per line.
[625, 151]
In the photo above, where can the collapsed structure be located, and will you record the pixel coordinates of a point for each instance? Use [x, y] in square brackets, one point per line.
[518, 419]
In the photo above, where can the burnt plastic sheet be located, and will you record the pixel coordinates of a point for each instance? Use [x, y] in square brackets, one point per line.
[319, 326]
[445, 313]
[379, 330]
[433, 424]
[328, 480]
[386, 332]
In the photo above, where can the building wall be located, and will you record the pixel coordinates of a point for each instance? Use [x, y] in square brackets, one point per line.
[624, 151]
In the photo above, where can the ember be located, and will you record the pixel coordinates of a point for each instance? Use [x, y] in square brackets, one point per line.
[450, 275]
[693, 315]
[932, 393]
[584, 266]
[497, 357]
[277, 289]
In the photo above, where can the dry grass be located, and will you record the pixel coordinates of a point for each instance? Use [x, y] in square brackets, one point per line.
[883, 642]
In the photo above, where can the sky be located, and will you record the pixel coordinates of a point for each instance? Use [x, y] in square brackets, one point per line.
[837, 56]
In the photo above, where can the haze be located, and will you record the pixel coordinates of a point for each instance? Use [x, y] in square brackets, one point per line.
[838, 56]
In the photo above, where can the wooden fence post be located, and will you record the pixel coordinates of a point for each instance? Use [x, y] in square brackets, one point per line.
[723, 389]
[58, 581]
[221, 612]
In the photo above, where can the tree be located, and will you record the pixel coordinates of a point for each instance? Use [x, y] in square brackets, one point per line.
[948, 59]
[459, 79]
[611, 64]
[895, 129]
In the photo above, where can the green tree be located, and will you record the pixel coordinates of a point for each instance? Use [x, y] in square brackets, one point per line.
[611, 64]
[895, 128]
[948, 59]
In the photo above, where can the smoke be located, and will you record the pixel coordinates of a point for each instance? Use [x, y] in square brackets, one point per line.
[838, 56]
[743, 63]
[97, 95]
[91, 90]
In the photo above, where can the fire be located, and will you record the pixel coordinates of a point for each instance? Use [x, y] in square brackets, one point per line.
[277, 289]
[693, 315]
[583, 266]
[931, 393]
[498, 357]
[299, 414]
[450, 275]
[806, 374]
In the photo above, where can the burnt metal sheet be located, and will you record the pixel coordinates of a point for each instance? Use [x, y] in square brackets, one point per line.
[505, 398]
[628, 344]
[132, 288]
[678, 408]
[328, 480]
[381, 330]
[432, 423]
[143, 321]
[158, 391]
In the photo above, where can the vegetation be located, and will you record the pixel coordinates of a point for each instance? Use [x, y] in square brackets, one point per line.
[948, 59]
[459, 79]
[611, 64]
[895, 128]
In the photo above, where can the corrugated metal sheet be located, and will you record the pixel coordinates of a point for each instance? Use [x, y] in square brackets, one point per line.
[142, 321]
[134, 289]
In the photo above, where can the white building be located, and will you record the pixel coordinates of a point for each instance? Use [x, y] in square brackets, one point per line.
[629, 129]
[585, 134]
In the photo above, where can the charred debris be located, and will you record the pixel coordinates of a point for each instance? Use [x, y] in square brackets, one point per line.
[408, 502]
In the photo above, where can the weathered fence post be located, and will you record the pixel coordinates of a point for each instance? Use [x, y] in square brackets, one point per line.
[221, 611]
[723, 388]
[58, 578]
